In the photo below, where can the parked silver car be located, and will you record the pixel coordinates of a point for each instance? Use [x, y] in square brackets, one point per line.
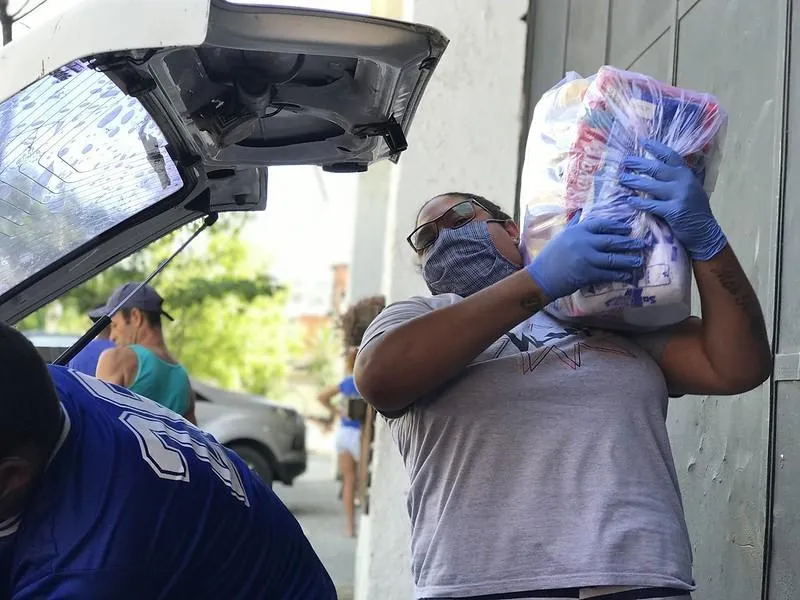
[269, 437]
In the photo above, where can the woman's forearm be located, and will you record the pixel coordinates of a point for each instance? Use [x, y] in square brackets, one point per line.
[325, 398]
[414, 359]
[734, 333]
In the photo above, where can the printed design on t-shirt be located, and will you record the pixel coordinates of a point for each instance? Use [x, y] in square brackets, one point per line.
[9, 526]
[538, 341]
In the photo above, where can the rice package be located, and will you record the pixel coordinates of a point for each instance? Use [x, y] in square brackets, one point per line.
[553, 131]
[580, 131]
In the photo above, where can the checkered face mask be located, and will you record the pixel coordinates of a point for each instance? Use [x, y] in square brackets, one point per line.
[464, 261]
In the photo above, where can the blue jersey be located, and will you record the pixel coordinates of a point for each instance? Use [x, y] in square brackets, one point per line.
[137, 503]
[86, 360]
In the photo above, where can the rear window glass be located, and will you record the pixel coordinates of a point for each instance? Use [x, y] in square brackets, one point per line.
[78, 157]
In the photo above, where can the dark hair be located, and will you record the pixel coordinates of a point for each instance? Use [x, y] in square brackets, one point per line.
[153, 318]
[30, 412]
[495, 211]
[357, 318]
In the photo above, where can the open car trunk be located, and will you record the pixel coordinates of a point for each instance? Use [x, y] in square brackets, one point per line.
[124, 119]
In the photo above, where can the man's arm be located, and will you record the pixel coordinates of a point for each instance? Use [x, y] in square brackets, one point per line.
[117, 366]
[728, 351]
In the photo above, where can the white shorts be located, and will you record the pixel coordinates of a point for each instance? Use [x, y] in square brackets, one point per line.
[348, 439]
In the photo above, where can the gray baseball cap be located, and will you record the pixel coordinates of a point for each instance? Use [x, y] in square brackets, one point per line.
[145, 299]
[97, 312]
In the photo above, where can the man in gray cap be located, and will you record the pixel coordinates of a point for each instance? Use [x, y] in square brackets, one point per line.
[141, 361]
[86, 360]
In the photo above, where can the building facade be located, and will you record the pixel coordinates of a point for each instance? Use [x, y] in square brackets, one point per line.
[465, 137]
[738, 457]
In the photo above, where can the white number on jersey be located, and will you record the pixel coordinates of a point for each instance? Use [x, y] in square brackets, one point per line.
[163, 447]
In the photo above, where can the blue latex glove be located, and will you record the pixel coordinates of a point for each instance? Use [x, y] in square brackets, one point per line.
[594, 251]
[678, 197]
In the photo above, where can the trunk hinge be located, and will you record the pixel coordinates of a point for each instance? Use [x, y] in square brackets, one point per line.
[389, 130]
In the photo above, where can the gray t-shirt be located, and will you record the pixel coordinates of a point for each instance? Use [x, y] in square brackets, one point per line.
[546, 464]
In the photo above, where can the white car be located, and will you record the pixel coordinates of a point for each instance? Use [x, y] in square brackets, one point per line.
[122, 121]
[269, 437]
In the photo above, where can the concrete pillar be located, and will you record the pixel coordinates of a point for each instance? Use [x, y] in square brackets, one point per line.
[465, 137]
[372, 209]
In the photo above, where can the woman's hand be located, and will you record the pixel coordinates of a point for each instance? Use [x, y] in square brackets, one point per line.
[728, 352]
[593, 251]
[678, 198]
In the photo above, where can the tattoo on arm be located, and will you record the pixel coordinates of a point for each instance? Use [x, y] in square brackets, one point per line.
[744, 297]
[532, 304]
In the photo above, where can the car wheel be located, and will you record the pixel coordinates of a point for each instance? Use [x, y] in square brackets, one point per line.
[255, 461]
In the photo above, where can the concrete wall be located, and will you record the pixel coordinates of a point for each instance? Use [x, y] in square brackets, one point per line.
[372, 206]
[465, 137]
[737, 50]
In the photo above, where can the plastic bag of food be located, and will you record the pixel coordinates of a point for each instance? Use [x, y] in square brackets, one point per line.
[617, 109]
[553, 131]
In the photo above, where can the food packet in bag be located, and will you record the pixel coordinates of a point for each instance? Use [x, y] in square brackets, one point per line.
[552, 133]
[617, 110]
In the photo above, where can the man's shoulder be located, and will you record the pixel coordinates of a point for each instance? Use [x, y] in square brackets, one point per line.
[117, 353]
[119, 358]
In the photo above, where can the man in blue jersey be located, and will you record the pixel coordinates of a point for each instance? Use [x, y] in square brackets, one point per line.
[86, 360]
[104, 494]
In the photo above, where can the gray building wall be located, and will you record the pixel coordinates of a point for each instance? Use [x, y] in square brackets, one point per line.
[737, 50]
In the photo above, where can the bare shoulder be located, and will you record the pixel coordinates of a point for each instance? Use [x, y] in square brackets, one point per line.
[119, 355]
[116, 364]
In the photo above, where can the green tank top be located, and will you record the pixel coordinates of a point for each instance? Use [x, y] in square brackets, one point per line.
[163, 382]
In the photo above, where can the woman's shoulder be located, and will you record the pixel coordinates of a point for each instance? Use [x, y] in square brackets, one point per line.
[431, 302]
[397, 313]
[415, 306]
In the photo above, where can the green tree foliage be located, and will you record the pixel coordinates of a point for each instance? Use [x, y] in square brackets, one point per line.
[230, 326]
[322, 358]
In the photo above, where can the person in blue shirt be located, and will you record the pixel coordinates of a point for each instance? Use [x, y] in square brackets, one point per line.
[86, 360]
[104, 494]
[348, 436]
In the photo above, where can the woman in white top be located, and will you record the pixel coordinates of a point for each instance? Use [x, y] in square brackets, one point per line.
[537, 451]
